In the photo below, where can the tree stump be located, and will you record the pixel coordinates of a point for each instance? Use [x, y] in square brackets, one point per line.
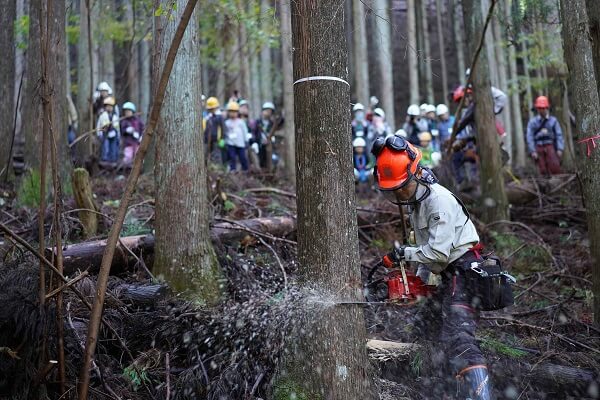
[84, 198]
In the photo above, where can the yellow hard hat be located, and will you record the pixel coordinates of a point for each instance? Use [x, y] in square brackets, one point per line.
[109, 101]
[233, 106]
[212, 102]
[425, 137]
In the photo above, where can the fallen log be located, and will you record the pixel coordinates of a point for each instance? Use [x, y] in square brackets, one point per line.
[526, 190]
[395, 360]
[84, 255]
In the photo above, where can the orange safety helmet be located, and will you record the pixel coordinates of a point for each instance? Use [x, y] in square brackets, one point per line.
[459, 93]
[397, 162]
[542, 102]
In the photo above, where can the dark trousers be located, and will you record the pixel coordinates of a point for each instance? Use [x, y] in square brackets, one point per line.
[459, 317]
[233, 154]
[548, 162]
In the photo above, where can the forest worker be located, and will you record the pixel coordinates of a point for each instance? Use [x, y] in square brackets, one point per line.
[107, 129]
[263, 129]
[444, 123]
[132, 129]
[545, 139]
[214, 132]
[102, 92]
[446, 242]
[235, 137]
[379, 126]
[412, 126]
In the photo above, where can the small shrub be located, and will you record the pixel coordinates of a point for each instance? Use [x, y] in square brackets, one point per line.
[28, 194]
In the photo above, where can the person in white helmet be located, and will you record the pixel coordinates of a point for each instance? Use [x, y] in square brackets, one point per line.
[379, 126]
[412, 126]
[363, 162]
[132, 129]
[263, 132]
[102, 92]
[445, 121]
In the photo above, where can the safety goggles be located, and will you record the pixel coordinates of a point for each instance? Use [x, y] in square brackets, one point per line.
[396, 143]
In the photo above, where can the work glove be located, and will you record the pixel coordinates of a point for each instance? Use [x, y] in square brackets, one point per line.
[254, 147]
[129, 129]
[392, 258]
[534, 155]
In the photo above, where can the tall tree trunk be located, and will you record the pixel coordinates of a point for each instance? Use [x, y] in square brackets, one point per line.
[33, 116]
[243, 45]
[85, 84]
[527, 77]
[593, 12]
[459, 41]
[8, 13]
[361, 58]
[582, 60]
[333, 362]
[184, 255]
[490, 44]
[569, 157]
[518, 132]
[254, 82]
[493, 195]
[288, 89]
[144, 77]
[499, 39]
[439, 9]
[266, 76]
[413, 66]
[20, 82]
[384, 61]
[426, 51]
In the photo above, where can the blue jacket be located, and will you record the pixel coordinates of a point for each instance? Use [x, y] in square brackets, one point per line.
[550, 133]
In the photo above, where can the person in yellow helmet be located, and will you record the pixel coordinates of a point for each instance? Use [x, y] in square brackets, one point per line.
[214, 132]
[108, 131]
[236, 137]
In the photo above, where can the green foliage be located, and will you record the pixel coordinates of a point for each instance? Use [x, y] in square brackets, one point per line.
[72, 28]
[22, 32]
[416, 363]
[136, 379]
[228, 206]
[524, 257]
[288, 389]
[28, 193]
[380, 244]
[502, 348]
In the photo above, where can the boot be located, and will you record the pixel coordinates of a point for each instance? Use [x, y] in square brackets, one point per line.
[474, 383]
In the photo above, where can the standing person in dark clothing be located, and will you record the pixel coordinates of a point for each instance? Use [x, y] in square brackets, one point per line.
[263, 128]
[214, 132]
[412, 126]
[132, 129]
[545, 139]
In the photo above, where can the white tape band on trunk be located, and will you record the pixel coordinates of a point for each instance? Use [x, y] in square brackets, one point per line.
[321, 78]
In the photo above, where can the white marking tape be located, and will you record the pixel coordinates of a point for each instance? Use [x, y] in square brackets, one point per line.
[321, 78]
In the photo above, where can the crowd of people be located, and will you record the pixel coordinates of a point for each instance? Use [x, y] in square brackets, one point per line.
[430, 128]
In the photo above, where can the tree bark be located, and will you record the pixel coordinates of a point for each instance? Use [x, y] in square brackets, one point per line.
[426, 51]
[517, 132]
[184, 253]
[361, 57]
[288, 90]
[266, 77]
[384, 60]
[439, 8]
[593, 13]
[84, 198]
[332, 361]
[144, 77]
[491, 171]
[500, 53]
[527, 80]
[243, 45]
[489, 46]
[579, 54]
[8, 13]
[459, 42]
[413, 66]
[85, 85]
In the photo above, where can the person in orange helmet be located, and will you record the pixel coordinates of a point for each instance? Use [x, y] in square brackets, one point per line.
[447, 243]
[545, 139]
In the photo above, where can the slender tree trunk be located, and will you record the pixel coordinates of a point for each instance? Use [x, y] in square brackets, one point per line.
[221, 77]
[413, 66]
[243, 45]
[85, 85]
[459, 40]
[384, 61]
[332, 363]
[20, 83]
[426, 51]
[184, 255]
[593, 12]
[439, 9]
[144, 77]
[266, 76]
[106, 57]
[527, 76]
[569, 157]
[493, 195]
[490, 44]
[582, 61]
[8, 13]
[288, 89]
[361, 57]
[500, 50]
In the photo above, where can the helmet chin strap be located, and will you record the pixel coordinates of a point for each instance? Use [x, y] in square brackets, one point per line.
[413, 199]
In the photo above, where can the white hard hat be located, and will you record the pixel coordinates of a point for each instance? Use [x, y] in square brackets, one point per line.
[441, 109]
[104, 86]
[401, 133]
[436, 157]
[359, 142]
[268, 105]
[380, 112]
[430, 108]
[423, 107]
[358, 107]
[374, 100]
[413, 110]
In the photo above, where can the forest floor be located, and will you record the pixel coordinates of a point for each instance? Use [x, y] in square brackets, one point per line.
[544, 347]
